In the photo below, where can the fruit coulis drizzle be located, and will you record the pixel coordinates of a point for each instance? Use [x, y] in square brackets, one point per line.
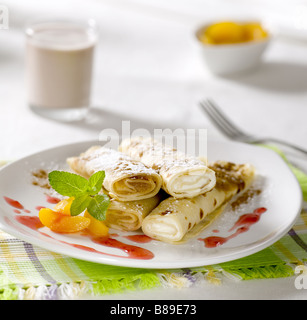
[52, 200]
[19, 207]
[133, 252]
[241, 225]
[139, 238]
[13, 203]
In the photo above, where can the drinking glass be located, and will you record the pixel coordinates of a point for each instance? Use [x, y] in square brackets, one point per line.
[59, 63]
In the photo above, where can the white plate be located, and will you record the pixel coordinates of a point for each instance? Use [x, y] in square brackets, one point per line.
[281, 195]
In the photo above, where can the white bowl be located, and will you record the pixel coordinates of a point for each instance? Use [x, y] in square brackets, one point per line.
[225, 59]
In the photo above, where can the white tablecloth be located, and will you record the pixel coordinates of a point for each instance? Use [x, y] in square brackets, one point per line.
[148, 70]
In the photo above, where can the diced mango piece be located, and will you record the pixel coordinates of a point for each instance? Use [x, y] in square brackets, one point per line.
[96, 227]
[64, 206]
[62, 223]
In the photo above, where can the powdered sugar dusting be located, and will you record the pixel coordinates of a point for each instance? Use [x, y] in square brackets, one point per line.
[157, 155]
[101, 158]
[228, 217]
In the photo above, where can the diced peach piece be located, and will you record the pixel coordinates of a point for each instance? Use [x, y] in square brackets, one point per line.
[62, 223]
[64, 206]
[70, 224]
[96, 227]
[47, 216]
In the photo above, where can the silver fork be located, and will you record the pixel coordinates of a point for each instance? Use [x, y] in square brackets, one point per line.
[229, 129]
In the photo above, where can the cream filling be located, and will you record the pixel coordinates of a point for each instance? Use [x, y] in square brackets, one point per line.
[162, 229]
[188, 183]
[192, 183]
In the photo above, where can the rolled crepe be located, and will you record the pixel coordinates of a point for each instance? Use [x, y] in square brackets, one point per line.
[129, 216]
[183, 176]
[174, 218]
[125, 179]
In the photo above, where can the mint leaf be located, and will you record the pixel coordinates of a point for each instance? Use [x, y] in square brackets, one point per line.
[95, 182]
[84, 192]
[98, 206]
[79, 204]
[66, 183]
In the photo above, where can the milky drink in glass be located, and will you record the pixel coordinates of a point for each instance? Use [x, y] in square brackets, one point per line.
[59, 61]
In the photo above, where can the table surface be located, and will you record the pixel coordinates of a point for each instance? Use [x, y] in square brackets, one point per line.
[148, 70]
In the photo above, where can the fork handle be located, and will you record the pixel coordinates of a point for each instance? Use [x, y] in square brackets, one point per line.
[284, 143]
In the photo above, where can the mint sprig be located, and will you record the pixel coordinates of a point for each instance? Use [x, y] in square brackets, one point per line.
[85, 192]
